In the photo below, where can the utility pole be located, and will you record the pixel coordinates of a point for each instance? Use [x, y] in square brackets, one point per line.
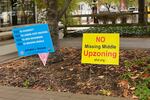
[14, 12]
[94, 11]
[141, 9]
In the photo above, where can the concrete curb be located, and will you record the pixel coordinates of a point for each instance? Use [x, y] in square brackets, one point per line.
[7, 49]
[9, 58]
[6, 36]
[11, 93]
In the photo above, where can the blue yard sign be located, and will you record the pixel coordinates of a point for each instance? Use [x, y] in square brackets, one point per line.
[34, 39]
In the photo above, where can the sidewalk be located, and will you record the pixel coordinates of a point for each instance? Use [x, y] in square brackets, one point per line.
[8, 49]
[11, 93]
[128, 43]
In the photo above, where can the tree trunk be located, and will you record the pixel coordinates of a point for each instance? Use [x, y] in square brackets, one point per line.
[52, 19]
[141, 18]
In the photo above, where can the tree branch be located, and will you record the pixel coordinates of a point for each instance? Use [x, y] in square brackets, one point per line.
[64, 9]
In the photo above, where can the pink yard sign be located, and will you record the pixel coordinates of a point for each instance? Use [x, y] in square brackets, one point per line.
[44, 57]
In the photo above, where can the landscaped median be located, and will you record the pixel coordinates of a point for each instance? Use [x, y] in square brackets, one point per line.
[130, 79]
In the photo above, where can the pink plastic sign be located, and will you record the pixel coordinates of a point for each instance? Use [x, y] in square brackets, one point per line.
[43, 57]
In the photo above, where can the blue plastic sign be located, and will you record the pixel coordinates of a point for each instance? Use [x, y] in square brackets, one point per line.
[34, 39]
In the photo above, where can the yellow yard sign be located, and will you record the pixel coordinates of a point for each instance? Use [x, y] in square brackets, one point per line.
[100, 48]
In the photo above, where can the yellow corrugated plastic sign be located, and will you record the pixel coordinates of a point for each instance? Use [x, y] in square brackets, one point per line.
[100, 48]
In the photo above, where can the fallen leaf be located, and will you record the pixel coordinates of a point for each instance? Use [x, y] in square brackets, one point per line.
[144, 76]
[101, 77]
[135, 77]
[71, 69]
[125, 92]
[134, 97]
[62, 68]
[124, 84]
[132, 88]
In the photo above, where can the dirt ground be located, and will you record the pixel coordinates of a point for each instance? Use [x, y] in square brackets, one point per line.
[65, 73]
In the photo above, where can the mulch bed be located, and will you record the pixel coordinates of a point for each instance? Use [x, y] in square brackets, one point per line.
[65, 73]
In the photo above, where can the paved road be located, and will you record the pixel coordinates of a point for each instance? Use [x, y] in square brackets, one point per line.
[8, 48]
[8, 57]
[10, 93]
[128, 43]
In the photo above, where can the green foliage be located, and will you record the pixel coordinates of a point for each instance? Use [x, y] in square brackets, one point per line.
[69, 21]
[72, 6]
[142, 89]
[123, 30]
[139, 62]
[147, 69]
[127, 64]
[60, 4]
[26, 83]
[105, 92]
[132, 3]
[103, 2]
[126, 76]
[40, 4]
[49, 88]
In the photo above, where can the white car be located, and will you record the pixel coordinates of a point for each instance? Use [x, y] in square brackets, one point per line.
[133, 9]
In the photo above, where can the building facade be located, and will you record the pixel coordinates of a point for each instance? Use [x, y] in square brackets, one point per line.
[16, 12]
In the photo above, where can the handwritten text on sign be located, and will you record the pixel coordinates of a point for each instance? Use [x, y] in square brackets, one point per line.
[100, 48]
[33, 39]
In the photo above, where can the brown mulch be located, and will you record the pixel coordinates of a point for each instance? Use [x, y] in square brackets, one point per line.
[65, 73]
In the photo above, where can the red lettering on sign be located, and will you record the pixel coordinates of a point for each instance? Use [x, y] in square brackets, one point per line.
[100, 39]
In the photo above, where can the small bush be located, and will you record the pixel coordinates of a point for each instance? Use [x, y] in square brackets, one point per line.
[142, 89]
[123, 30]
